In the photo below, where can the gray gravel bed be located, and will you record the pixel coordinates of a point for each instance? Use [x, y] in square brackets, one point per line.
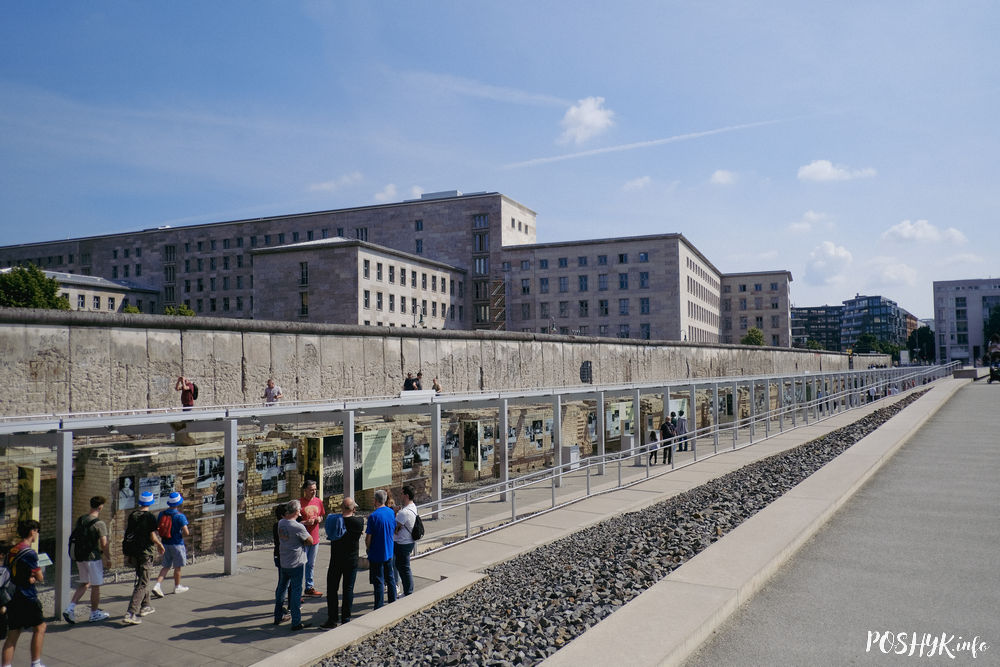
[527, 608]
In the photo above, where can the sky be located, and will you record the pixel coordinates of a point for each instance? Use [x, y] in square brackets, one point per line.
[853, 144]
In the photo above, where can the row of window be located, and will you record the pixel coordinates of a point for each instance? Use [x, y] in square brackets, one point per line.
[583, 283]
[213, 263]
[583, 308]
[702, 273]
[757, 287]
[727, 323]
[603, 330]
[125, 271]
[526, 229]
[389, 272]
[213, 304]
[199, 284]
[703, 293]
[563, 262]
[383, 300]
[758, 304]
[114, 253]
[702, 314]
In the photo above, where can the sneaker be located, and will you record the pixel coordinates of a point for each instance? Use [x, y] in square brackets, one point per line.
[328, 624]
[296, 628]
[181, 589]
[98, 615]
[313, 593]
[157, 591]
[132, 619]
[70, 616]
[146, 611]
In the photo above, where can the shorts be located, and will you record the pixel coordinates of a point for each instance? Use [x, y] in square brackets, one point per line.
[23, 613]
[174, 555]
[91, 572]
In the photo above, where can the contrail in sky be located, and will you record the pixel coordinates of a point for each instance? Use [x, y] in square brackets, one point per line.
[638, 144]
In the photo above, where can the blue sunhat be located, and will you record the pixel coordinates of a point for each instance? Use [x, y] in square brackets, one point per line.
[175, 499]
[145, 498]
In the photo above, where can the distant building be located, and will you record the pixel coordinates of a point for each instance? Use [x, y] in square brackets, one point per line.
[819, 323]
[876, 315]
[100, 295]
[961, 310]
[757, 299]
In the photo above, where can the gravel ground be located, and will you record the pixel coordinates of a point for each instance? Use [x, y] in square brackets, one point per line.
[529, 607]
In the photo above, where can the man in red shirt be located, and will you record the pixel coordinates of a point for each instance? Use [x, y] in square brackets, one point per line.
[186, 387]
[311, 518]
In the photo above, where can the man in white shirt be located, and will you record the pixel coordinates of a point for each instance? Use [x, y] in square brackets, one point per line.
[402, 539]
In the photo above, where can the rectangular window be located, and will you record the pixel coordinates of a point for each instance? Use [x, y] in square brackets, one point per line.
[774, 287]
[418, 225]
[563, 284]
[392, 274]
[481, 266]
[402, 276]
[97, 303]
[758, 322]
[623, 306]
[623, 331]
[239, 261]
[303, 304]
[757, 287]
[543, 263]
[583, 283]
[239, 303]
[564, 309]
[402, 303]
[644, 330]
[114, 273]
[361, 233]
[201, 284]
[434, 309]
[367, 301]
[392, 303]
[525, 265]
[622, 281]
[378, 270]
[366, 269]
[111, 303]
[602, 307]
[200, 305]
[481, 242]
[225, 304]
[239, 244]
[423, 281]
[434, 283]
[584, 308]
[543, 309]
[742, 288]
[239, 282]
[643, 257]
[419, 249]
[602, 260]
[378, 300]
[480, 221]
[267, 241]
[309, 235]
[303, 273]
[623, 258]
[525, 286]
[602, 330]
[644, 306]
[563, 262]
[602, 282]
[774, 321]
[225, 282]
[543, 285]
[525, 311]
[81, 301]
[581, 261]
[225, 263]
[644, 279]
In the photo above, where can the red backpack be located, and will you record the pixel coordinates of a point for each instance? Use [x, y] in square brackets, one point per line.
[165, 525]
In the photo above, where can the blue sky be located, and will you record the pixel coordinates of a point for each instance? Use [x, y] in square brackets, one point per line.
[855, 146]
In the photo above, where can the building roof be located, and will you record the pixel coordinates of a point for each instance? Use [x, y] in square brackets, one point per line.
[339, 242]
[93, 282]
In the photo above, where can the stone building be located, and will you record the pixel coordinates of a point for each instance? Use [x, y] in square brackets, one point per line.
[757, 299]
[961, 310]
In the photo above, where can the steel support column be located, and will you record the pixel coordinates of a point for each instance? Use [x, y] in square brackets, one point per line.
[229, 524]
[503, 452]
[62, 442]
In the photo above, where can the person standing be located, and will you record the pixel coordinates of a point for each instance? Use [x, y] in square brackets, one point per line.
[175, 553]
[25, 609]
[92, 534]
[682, 429]
[293, 538]
[143, 525]
[667, 434]
[343, 563]
[418, 382]
[312, 515]
[408, 382]
[436, 386]
[402, 539]
[186, 387]
[378, 542]
[272, 393]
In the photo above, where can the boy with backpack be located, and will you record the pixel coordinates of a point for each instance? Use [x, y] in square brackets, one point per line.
[89, 548]
[139, 547]
[172, 527]
[24, 610]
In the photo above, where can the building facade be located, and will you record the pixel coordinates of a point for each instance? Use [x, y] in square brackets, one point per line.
[961, 310]
[818, 323]
[482, 246]
[876, 315]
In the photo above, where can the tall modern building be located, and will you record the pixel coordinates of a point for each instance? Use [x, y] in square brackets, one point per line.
[874, 315]
[446, 260]
[961, 310]
[818, 323]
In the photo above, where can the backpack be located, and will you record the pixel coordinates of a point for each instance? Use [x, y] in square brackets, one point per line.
[194, 391]
[133, 544]
[83, 542]
[165, 525]
[7, 585]
[418, 527]
[335, 528]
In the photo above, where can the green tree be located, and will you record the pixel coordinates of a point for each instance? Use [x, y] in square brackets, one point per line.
[132, 310]
[28, 287]
[813, 344]
[866, 342]
[181, 311]
[992, 325]
[921, 343]
[754, 337]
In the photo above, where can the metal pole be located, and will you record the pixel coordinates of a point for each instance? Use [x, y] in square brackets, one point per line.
[348, 455]
[599, 431]
[232, 502]
[736, 411]
[63, 444]
[557, 440]
[504, 451]
[692, 439]
[753, 409]
[437, 449]
[715, 416]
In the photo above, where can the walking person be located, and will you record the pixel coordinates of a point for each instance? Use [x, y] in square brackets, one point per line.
[403, 542]
[25, 609]
[312, 514]
[272, 393]
[667, 434]
[144, 545]
[682, 429]
[172, 527]
[92, 556]
[378, 542]
[343, 561]
[293, 538]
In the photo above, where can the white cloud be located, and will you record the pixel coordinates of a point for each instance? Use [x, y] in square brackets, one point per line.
[448, 84]
[416, 191]
[586, 119]
[387, 194]
[722, 177]
[961, 259]
[827, 264]
[809, 221]
[922, 231]
[344, 181]
[890, 272]
[637, 183]
[823, 171]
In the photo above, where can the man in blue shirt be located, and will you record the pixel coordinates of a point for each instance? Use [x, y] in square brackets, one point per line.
[25, 610]
[378, 540]
[175, 554]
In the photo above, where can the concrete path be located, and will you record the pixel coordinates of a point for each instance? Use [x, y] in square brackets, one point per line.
[913, 552]
[226, 620]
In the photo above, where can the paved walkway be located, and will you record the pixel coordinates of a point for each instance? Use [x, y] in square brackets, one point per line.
[914, 551]
[226, 620]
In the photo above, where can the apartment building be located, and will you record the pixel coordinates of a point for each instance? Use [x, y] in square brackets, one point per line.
[876, 315]
[757, 299]
[818, 323]
[961, 310]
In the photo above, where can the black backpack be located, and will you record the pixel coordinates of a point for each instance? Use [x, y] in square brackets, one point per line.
[84, 541]
[194, 391]
[133, 544]
[418, 528]
[7, 585]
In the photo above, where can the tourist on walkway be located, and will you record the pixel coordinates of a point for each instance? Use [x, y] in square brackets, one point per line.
[272, 393]
[91, 545]
[343, 561]
[25, 609]
[682, 429]
[402, 539]
[175, 553]
[142, 524]
[378, 541]
[293, 538]
[667, 434]
[186, 387]
[408, 383]
[312, 515]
